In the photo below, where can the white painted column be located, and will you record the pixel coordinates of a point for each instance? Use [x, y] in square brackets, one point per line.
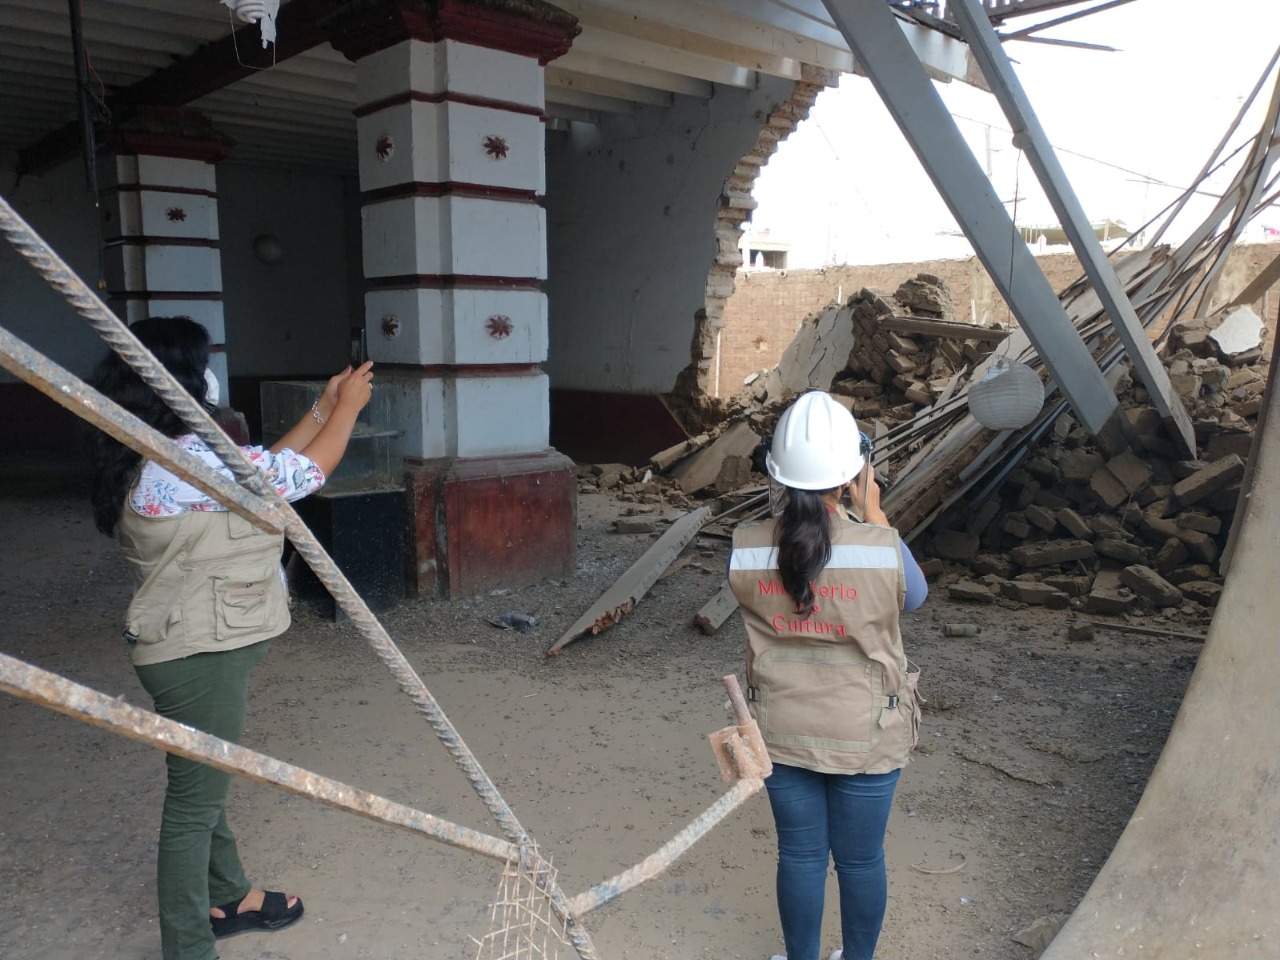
[451, 166]
[160, 212]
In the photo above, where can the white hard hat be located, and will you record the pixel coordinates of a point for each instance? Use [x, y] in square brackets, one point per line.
[816, 445]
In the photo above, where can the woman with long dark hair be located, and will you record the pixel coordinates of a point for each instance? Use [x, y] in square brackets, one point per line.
[209, 596]
[829, 683]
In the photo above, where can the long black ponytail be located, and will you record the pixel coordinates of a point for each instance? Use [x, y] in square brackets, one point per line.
[804, 545]
[182, 345]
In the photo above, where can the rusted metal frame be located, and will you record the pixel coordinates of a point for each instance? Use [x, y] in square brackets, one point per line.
[653, 865]
[69, 391]
[28, 682]
[59, 275]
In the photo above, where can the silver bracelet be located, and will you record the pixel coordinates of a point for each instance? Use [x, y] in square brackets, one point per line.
[315, 413]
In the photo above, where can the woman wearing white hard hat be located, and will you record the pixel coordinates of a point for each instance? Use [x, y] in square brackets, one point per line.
[829, 684]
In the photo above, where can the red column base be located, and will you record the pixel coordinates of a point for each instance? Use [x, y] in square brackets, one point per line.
[479, 524]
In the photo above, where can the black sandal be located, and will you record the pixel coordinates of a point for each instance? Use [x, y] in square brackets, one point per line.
[276, 914]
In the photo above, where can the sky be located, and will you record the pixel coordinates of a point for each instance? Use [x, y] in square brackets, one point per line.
[1129, 127]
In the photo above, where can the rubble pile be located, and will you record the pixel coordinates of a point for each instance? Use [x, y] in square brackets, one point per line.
[889, 356]
[1137, 531]
[899, 366]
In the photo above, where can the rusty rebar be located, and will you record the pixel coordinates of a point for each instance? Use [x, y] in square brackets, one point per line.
[29, 682]
[653, 865]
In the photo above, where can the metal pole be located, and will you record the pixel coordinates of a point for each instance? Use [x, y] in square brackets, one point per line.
[1030, 136]
[870, 28]
[58, 693]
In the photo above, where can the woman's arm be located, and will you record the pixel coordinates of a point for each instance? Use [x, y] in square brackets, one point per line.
[313, 421]
[326, 447]
[917, 586]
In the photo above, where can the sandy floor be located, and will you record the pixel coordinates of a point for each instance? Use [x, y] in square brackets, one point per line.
[1034, 753]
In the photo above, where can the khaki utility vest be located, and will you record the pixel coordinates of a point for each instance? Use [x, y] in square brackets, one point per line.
[206, 581]
[833, 691]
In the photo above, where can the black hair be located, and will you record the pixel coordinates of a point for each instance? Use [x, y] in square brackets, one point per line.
[804, 544]
[182, 346]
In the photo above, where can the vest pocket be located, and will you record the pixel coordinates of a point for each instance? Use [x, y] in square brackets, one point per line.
[914, 701]
[818, 699]
[247, 602]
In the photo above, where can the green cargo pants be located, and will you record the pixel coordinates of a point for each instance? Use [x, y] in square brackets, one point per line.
[198, 865]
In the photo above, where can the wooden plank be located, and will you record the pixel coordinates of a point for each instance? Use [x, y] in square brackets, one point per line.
[716, 610]
[619, 599]
[947, 329]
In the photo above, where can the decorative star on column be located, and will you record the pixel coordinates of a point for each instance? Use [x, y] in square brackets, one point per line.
[499, 327]
[176, 214]
[384, 146]
[496, 147]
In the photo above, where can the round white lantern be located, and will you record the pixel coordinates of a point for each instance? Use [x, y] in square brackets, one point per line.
[1008, 396]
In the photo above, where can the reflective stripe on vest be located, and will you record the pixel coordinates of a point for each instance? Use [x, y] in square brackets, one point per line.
[845, 556]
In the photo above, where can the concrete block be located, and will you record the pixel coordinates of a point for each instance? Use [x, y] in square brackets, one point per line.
[1027, 495]
[1170, 556]
[1226, 444]
[1110, 600]
[1190, 573]
[1076, 585]
[1122, 550]
[1051, 552]
[1212, 478]
[1046, 520]
[970, 591]
[993, 563]
[1200, 546]
[1015, 524]
[1108, 488]
[1105, 526]
[1202, 591]
[1036, 594]
[1052, 500]
[1185, 384]
[981, 518]
[1145, 582]
[1074, 524]
[931, 567]
[1201, 522]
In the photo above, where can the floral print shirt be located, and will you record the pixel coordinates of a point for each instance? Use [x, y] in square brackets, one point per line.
[160, 493]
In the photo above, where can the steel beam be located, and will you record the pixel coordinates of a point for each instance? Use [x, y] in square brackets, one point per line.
[1029, 136]
[872, 32]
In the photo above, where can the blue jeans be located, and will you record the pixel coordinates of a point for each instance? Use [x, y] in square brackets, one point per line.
[820, 816]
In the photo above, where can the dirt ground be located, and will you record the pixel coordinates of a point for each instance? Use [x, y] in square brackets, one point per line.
[1034, 752]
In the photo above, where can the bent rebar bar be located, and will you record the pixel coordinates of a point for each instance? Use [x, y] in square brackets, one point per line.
[22, 679]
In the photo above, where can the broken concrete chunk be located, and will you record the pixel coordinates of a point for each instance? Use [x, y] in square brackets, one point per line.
[1145, 582]
[1015, 524]
[1212, 478]
[1199, 545]
[1040, 517]
[1201, 522]
[634, 525]
[1239, 332]
[1170, 556]
[1196, 571]
[1108, 596]
[991, 563]
[1051, 552]
[1076, 585]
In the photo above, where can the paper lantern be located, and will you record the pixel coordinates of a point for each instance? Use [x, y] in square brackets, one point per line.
[1008, 396]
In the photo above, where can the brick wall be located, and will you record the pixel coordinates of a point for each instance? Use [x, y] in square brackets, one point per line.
[767, 306]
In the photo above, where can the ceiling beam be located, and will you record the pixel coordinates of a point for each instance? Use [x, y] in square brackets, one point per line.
[588, 101]
[645, 53]
[559, 78]
[590, 63]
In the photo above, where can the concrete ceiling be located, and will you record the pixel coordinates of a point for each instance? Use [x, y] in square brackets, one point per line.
[298, 111]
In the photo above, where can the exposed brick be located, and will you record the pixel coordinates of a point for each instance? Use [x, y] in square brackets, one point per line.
[1212, 478]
